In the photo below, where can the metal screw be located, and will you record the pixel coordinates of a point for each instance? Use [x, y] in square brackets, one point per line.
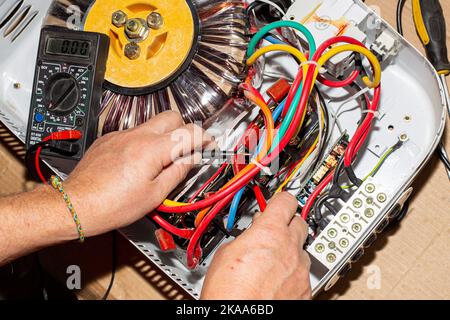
[320, 248]
[132, 25]
[155, 20]
[136, 30]
[356, 227]
[332, 245]
[119, 18]
[357, 203]
[369, 213]
[369, 200]
[132, 51]
[370, 187]
[332, 233]
[404, 137]
[17, 85]
[331, 257]
[343, 243]
[345, 218]
[381, 197]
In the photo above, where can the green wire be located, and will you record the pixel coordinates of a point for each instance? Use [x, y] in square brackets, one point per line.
[280, 24]
[312, 50]
[375, 169]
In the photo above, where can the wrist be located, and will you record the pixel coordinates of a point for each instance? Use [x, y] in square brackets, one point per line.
[56, 215]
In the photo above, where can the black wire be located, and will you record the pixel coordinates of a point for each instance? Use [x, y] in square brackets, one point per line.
[400, 7]
[326, 131]
[252, 6]
[113, 265]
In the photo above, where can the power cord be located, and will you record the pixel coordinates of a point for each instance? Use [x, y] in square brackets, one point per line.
[113, 265]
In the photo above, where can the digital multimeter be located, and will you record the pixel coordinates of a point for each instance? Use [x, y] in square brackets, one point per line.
[67, 90]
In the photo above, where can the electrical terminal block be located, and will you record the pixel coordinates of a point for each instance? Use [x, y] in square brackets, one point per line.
[350, 224]
[385, 46]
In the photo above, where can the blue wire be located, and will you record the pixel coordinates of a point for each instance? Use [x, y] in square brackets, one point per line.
[238, 196]
[234, 208]
[273, 40]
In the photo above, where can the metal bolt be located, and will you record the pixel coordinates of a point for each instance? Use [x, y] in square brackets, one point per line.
[381, 197]
[331, 257]
[357, 203]
[119, 18]
[356, 227]
[320, 248]
[132, 25]
[155, 20]
[332, 245]
[369, 200]
[369, 213]
[404, 137]
[17, 85]
[345, 218]
[370, 187]
[343, 243]
[137, 30]
[132, 50]
[332, 233]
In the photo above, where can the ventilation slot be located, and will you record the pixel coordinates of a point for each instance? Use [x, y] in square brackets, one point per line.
[9, 14]
[26, 21]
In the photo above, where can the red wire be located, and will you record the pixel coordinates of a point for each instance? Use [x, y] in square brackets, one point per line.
[60, 135]
[182, 233]
[260, 198]
[210, 180]
[235, 186]
[315, 194]
[339, 84]
[193, 254]
[226, 195]
[37, 165]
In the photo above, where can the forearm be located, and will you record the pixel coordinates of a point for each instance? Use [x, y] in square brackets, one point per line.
[31, 221]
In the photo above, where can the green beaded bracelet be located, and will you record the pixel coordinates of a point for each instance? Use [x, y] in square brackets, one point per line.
[57, 185]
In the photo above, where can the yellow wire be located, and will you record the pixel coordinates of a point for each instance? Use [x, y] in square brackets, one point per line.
[268, 144]
[301, 57]
[355, 48]
[269, 139]
[280, 47]
[294, 172]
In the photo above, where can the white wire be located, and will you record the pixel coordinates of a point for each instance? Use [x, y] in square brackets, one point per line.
[339, 111]
[271, 3]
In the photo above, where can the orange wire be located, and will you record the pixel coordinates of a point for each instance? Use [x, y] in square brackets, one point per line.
[270, 127]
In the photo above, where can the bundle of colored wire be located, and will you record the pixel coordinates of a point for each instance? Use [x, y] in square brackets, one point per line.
[295, 108]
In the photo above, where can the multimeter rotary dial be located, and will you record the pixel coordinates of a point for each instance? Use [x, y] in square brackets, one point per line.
[62, 93]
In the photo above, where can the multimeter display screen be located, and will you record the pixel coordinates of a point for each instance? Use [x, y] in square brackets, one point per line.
[77, 48]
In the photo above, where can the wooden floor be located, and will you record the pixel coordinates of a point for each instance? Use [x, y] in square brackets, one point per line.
[413, 260]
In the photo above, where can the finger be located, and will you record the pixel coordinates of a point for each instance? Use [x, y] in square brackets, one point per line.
[174, 174]
[180, 143]
[305, 260]
[280, 209]
[257, 215]
[163, 123]
[299, 229]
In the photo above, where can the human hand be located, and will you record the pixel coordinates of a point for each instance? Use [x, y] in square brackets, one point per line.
[126, 175]
[265, 262]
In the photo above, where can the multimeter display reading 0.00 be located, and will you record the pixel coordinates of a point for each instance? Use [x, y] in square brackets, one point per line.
[78, 48]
